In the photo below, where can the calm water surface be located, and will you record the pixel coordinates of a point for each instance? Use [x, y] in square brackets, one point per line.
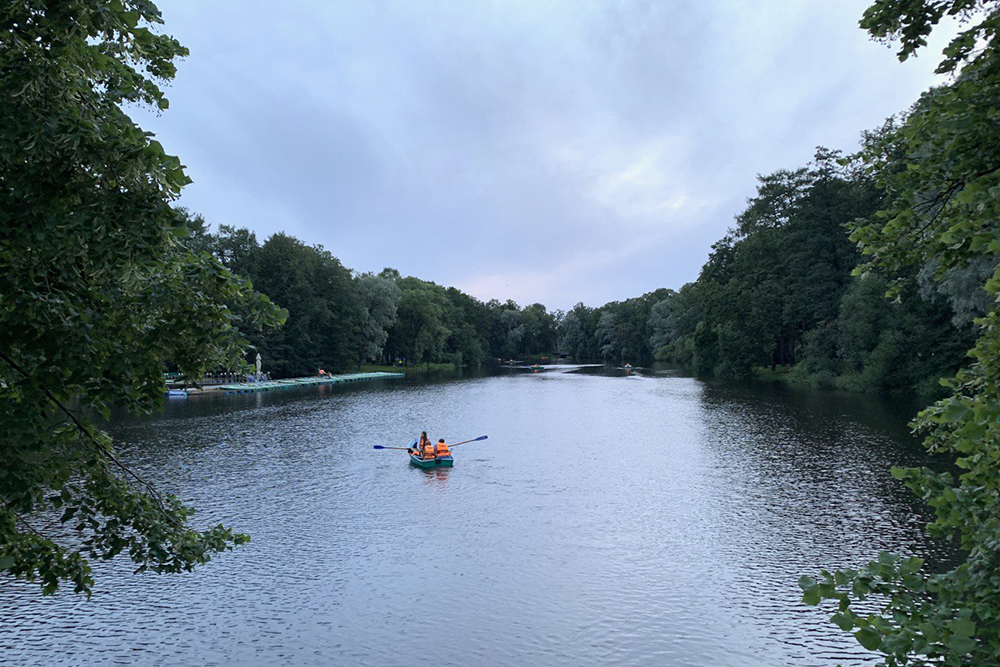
[644, 520]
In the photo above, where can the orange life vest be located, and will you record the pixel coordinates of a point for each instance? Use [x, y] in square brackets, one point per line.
[428, 451]
[442, 449]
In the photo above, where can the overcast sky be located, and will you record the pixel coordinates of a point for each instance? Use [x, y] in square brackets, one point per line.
[541, 151]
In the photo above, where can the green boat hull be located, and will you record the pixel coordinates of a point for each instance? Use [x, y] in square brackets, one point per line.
[443, 462]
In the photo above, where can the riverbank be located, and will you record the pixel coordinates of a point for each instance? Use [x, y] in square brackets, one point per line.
[854, 383]
[278, 385]
[798, 376]
[409, 370]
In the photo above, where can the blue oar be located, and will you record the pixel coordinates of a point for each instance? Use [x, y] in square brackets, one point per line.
[406, 449]
[482, 437]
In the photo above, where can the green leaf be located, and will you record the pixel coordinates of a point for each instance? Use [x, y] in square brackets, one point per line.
[961, 644]
[956, 411]
[869, 638]
[842, 620]
[810, 590]
[962, 627]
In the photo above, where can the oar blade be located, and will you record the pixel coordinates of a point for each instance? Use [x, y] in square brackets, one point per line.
[465, 442]
[379, 447]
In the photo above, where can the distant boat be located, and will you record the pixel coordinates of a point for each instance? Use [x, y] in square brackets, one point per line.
[177, 393]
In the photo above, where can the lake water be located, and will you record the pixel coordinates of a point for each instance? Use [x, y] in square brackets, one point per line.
[651, 519]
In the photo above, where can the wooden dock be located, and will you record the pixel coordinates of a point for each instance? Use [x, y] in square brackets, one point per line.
[275, 385]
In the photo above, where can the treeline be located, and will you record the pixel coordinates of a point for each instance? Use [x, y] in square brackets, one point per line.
[779, 291]
[338, 320]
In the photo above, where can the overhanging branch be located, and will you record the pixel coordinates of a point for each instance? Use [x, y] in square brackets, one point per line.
[148, 488]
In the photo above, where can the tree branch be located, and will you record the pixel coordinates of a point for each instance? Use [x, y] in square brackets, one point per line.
[944, 197]
[86, 431]
[18, 517]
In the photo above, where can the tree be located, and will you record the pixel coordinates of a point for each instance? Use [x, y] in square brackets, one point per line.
[661, 322]
[572, 340]
[944, 209]
[421, 331]
[513, 332]
[606, 336]
[324, 311]
[379, 300]
[778, 198]
[780, 273]
[539, 330]
[237, 249]
[470, 329]
[686, 311]
[962, 286]
[97, 291]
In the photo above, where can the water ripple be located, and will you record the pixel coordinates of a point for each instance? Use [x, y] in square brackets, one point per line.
[608, 520]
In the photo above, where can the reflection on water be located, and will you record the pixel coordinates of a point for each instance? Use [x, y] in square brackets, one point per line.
[640, 519]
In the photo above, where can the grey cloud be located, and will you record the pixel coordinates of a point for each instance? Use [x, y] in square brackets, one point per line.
[547, 152]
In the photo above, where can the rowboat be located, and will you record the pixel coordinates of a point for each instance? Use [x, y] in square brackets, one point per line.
[439, 462]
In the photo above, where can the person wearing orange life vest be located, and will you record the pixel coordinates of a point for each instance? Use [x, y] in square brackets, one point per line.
[423, 444]
[442, 449]
[426, 447]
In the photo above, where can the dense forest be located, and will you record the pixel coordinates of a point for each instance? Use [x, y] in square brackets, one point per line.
[338, 320]
[782, 289]
[778, 292]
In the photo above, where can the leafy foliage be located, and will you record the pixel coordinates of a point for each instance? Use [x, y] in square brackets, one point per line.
[337, 321]
[778, 291]
[379, 301]
[98, 288]
[323, 303]
[941, 165]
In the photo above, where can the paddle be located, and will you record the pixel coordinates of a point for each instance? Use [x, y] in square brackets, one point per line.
[482, 437]
[406, 449]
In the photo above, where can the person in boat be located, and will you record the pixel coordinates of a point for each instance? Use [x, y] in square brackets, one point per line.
[424, 440]
[427, 451]
[441, 449]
